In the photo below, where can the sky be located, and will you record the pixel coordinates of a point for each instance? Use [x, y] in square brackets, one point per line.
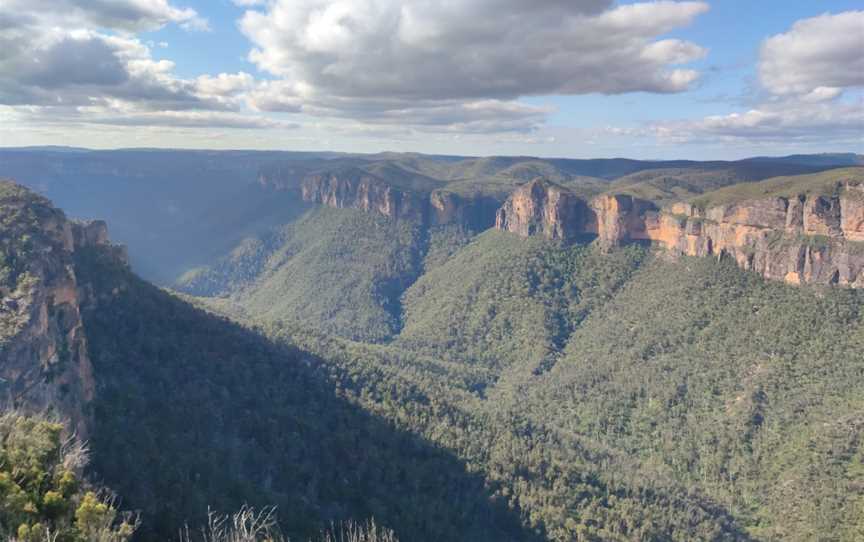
[566, 78]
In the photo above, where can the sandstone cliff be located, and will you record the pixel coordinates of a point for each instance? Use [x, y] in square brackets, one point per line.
[355, 188]
[812, 238]
[544, 208]
[44, 361]
[804, 239]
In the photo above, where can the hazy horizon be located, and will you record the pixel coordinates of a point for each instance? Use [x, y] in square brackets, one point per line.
[73, 148]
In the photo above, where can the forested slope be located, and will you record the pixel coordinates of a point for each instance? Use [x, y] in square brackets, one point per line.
[193, 411]
[745, 389]
[678, 386]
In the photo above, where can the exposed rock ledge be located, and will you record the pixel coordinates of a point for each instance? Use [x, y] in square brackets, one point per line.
[44, 359]
[800, 240]
[354, 188]
[357, 189]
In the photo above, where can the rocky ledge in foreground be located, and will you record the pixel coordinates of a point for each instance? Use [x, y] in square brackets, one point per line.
[44, 360]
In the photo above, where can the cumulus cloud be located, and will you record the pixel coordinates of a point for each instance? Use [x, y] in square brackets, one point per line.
[128, 15]
[78, 51]
[817, 55]
[782, 121]
[436, 49]
[75, 67]
[125, 114]
[470, 116]
[432, 65]
[810, 76]
[69, 59]
[450, 59]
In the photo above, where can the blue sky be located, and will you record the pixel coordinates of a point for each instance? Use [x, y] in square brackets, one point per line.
[343, 75]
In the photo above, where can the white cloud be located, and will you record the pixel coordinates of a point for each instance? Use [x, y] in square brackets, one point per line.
[434, 61]
[128, 15]
[776, 121]
[124, 114]
[188, 119]
[76, 52]
[227, 89]
[70, 59]
[79, 67]
[824, 52]
[809, 75]
[470, 116]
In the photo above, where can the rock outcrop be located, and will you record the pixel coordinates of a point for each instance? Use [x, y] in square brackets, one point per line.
[807, 239]
[544, 208]
[44, 360]
[621, 219]
[354, 188]
[801, 240]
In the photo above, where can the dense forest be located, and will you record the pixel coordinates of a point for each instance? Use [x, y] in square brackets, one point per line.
[687, 429]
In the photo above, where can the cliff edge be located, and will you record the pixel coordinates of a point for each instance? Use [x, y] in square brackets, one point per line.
[806, 231]
[44, 359]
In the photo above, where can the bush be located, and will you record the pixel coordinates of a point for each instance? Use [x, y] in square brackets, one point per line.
[43, 497]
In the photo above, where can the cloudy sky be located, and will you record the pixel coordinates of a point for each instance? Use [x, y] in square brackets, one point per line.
[571, 78]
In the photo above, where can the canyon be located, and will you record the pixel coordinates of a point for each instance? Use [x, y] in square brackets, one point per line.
[431, 302]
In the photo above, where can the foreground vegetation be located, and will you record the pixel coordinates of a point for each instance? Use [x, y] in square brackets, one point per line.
[43, 494]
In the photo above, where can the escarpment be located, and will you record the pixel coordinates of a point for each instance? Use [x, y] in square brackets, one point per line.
[354, 188]
[357, 189]
[801, 240]
[44, 360]
[804, 239]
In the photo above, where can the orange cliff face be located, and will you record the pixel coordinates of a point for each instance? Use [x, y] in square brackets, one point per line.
[805, 239]
[808, 239]
[622, 218]
[543, 208]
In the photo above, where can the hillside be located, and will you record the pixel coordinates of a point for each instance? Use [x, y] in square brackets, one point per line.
[689, 380]
[342, 267]
[502, 301]
[531, 347]
[802, 230]
[824, 183]
[746, 390]
[338, 271]
[663, 185]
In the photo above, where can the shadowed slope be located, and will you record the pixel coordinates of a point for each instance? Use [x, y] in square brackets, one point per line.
[192, 411]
